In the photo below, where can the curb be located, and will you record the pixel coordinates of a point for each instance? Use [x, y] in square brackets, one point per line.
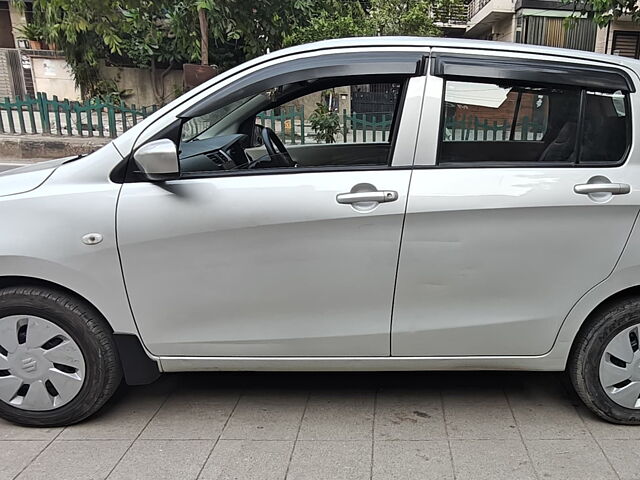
[28, 147]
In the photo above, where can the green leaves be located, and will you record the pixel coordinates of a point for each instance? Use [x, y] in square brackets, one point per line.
[603, 12]
[162, 32]
[336, 19]
[325, 124]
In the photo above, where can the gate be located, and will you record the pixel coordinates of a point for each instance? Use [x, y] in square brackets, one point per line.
[375, 100]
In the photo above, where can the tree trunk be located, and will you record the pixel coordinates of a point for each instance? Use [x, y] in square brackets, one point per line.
[204, 36]
[157, 84]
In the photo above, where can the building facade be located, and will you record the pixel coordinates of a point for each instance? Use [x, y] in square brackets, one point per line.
[548, 22]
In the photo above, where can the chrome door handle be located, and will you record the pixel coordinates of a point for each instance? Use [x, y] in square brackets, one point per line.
[612, 188]
[362, 197]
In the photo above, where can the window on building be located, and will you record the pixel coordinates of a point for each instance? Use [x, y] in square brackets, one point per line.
[626, 44]
[6, 37]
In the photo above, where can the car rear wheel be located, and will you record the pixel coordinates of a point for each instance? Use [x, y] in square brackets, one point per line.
[605, 363]
[58, 361]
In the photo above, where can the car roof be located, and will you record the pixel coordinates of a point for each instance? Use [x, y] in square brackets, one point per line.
[429, 42]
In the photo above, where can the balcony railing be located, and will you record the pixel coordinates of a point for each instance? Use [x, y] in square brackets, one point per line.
[450, 15]
[475, 6]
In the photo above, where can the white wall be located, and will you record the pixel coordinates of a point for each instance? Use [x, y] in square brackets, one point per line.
[504, 31]
[53, 76]
[138, 81]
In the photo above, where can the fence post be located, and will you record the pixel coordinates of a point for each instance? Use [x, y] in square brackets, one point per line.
[46, 124]
[134, 114]
[2, 107]
[20, 112]
[384, 127]
[344, 124]
[12, 127]
[76, 108]
[56, 114]
[99, 109]
[283, 125]
[111, 120]
[123, 115]
[302, 139]
[524, 135]
[89, 112]
[32, 118]
[375, 128]
[464, 135]
[292, 117]
[353, 128]
[67, 116]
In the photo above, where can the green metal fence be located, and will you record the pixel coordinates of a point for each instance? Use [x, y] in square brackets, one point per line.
[290, 125]
[472, 129]
[372, 123]
[91, 118]
[288, 121]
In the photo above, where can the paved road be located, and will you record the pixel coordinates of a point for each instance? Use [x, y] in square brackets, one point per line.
[330, 427]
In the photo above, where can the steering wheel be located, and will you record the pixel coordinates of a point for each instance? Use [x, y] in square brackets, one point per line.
[275, 148]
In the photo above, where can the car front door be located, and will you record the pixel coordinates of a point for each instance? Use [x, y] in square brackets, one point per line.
[270, 262]
[521, 200]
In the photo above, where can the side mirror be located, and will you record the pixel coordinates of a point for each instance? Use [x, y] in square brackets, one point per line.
[158, 160]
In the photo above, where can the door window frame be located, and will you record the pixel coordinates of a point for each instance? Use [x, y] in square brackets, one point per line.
[410, 62]
[470, 66]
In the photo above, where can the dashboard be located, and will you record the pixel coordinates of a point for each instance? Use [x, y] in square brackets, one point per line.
[214, 154]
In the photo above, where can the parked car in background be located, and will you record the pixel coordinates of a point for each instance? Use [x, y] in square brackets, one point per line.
[490, 224]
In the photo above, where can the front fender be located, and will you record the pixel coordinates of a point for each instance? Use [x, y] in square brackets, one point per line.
[42, 232]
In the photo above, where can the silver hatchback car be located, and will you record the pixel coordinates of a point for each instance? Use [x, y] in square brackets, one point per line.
[481, 215]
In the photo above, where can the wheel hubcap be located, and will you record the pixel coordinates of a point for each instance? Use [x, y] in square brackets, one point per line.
[620, 368]
[41, 366]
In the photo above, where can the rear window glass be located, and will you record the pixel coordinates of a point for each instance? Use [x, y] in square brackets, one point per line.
[491, 122]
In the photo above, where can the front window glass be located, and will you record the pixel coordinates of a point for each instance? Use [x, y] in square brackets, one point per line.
[199, 127]
[290, 126]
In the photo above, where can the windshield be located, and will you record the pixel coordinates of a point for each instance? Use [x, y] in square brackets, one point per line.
[196, 128]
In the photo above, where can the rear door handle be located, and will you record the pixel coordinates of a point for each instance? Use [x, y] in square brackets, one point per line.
[362, 197]
[612, 188]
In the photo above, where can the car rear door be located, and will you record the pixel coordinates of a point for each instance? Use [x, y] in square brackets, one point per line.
[521, 200]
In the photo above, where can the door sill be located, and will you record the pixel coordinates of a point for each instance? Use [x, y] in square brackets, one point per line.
[547, 362]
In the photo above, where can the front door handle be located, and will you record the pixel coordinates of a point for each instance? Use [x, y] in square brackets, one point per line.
[612, 188]
[363, 197]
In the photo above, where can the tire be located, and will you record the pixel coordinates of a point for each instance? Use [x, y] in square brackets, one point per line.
[616, 321]
[85, 334]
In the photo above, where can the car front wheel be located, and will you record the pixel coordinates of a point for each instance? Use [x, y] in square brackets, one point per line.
[58, 361]
[605, 363]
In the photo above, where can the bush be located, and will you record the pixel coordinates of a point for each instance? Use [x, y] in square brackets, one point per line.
[325, 124]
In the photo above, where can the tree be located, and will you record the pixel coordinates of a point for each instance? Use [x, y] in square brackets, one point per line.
[333, 19]
[336, 19]
[603, 12]
[158, 34]
[404, 17]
